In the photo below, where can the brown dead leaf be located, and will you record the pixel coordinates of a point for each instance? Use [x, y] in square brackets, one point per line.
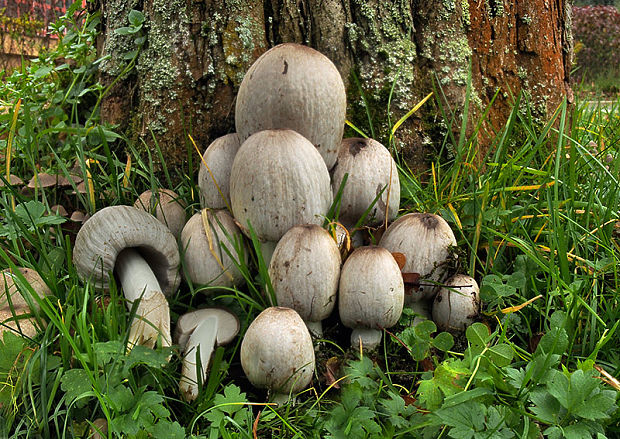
[400, 258]
[332, 370]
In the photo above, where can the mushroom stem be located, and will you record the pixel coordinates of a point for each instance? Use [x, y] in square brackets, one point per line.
[204, 336]
[153, 314]
[370, 338]
[315, 328]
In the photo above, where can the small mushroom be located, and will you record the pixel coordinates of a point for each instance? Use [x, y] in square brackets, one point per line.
[371, 173]
[202, 330]
[371, 294]
[13, 180]
[203, 240]
[16, 302]
[166, 206]
[277, 353]
[214, 181]
[304, 272]
[144, 255]
[457, 304]
[425, 240]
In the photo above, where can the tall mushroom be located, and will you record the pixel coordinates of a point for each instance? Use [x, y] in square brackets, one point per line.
[143, 254]
[278, 180]
[304, 272]
[202, 330]
[371, 294]
[277, 353]
[298, 88]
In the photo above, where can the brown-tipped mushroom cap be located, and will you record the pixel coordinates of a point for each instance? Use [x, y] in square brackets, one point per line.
[371, 171]
[277, 351]
[17, 323]
[166, 206]
[115, 228]
[425, 240]
[42, 180]
[294, 87]
[278, 180]
[8, 286]
[228, 325]
[457, 304]
[219, 157]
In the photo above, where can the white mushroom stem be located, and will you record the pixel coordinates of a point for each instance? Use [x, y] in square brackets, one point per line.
[370, 338]
[203, 339]
[153, 313]
[315, 328]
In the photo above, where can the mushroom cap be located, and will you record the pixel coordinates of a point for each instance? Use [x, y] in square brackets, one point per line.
[425, 240]
[278, 180]
[277, 351]
[304, 271]
[219, 158]
[372, 291]
[228, 325]
[15, 323]
[13, 180]
[168, 208]
[370, 168]
[457, 305]
[115, 228]
[294, 87]
[206, 261]
[8, 286]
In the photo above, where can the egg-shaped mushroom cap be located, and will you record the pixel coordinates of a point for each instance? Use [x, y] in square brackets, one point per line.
[115, 228]
[295, 87]
[8, 286]
[372, 291]
[167, 207]
[457, 304]
[371, 173]
[219, 157]
[277, 351]
[425, 240]
[304, 271]
[278, 180]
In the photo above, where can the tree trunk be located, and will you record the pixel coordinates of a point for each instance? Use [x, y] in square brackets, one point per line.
[388, 53]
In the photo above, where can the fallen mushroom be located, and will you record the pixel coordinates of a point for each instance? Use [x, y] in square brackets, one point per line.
[214, 173]
[426, 240]
[144, 255]
[298, 88]
[166, 206]
[202, 330]
[372, 173]
[371, 294]
[304, 272]
[277, 353]
[457, 304]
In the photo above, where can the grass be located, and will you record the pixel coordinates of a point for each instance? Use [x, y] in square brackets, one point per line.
[539, 217]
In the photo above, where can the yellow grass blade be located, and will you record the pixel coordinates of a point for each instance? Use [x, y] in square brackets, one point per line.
[520, 307]
[127, 172]
[455, 215]
[210, 173]
[408, 115]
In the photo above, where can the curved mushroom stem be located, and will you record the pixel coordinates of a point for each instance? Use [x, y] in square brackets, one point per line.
[205, 337]
[153, 314]
[370, 338]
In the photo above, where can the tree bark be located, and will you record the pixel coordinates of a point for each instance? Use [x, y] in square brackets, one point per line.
[389, 54]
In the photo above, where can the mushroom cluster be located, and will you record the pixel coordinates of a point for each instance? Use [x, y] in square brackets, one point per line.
[277, 179]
